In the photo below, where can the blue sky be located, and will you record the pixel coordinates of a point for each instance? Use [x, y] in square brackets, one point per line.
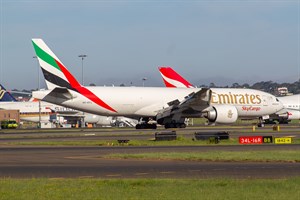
[205, 41]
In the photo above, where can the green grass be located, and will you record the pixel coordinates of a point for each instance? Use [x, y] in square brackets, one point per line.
[115, 143]
[181, 141]
[232, 156]
[203, 121]
[230, 189]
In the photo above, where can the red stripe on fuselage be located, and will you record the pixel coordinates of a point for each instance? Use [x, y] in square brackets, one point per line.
[88, 94]
[82, 90]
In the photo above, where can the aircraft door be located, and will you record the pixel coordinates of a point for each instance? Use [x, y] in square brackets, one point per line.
[266, 100]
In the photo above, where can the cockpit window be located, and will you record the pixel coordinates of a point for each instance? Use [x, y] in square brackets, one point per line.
[277, 100]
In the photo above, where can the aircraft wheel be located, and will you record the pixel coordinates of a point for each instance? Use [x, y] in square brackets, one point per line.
[167, 125]
[261, 125]
[177, 125]
[183, 125]
[138, 126]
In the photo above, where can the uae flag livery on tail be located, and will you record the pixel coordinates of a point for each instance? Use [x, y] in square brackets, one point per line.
[58, 76]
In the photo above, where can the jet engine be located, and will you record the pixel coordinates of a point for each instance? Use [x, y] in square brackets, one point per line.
[224, 114]
[92, 119]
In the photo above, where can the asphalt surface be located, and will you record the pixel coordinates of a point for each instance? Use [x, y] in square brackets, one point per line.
[85, 162]
[79, 162]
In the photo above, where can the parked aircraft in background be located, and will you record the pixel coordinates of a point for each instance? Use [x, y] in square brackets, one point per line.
[168, 106]
[291, 104]
[172, 79]
[5, 96]
[29, 111]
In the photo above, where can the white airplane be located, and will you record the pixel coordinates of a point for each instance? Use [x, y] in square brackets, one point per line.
[29, 111]
[291, 104]
[168, 106]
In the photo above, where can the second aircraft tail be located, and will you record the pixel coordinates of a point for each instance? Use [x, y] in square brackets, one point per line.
[5, 96]
[172, 79]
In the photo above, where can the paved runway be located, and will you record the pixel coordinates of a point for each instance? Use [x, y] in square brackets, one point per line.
[65, 162]
[133, 134]
[79, 162]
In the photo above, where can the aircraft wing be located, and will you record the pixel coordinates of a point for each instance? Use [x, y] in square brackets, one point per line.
[194, 103]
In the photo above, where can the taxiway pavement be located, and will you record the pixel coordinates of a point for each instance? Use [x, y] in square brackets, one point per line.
[79, 162]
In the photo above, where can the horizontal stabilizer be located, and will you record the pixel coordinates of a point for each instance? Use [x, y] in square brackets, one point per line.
[62, 93]
[56, 96]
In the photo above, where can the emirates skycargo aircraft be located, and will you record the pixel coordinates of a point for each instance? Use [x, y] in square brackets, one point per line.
[168, 106]
[172, 79]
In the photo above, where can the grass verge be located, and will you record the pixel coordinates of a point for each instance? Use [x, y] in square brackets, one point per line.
[181, 141]
[230, 156]
[149, 189]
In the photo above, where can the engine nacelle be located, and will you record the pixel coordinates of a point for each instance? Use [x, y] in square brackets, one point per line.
[90, 118]
[97, 119]
[224, 114]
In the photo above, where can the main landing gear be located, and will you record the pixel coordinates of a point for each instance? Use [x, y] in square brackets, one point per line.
[146, 126]
[261, 122]
[175, 125]
[146, 123]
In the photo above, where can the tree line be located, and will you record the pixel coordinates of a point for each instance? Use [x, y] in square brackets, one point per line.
[267, 86]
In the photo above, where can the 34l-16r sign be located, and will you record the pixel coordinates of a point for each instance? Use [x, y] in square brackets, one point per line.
[264, 139]
[251, 140]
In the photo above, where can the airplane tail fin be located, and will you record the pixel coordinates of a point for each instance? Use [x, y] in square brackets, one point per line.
[55, 73]
[5, 96]
[172, 79]
[59, 79]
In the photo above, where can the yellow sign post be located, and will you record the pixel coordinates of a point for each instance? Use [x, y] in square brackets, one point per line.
[283, 140]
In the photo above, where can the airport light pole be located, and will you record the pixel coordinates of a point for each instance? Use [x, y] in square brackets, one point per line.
[144, 79]
[38, 67]
[82, 56]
